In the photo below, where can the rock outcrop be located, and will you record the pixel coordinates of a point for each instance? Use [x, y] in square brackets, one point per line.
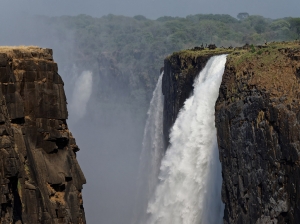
[258, 123]
[40, 178]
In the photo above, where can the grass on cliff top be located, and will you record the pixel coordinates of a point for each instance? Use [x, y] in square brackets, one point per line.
[191, 53]
[26, 51]
[22, 47]
[272, 68]
[239, 54]
[266, 55]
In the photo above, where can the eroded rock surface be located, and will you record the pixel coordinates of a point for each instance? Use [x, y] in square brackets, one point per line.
[40, 179]
[258, 123]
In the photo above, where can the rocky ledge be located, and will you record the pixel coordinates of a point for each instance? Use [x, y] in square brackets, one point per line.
[40, 179]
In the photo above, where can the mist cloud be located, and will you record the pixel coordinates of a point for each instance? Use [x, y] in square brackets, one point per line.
[81, 94]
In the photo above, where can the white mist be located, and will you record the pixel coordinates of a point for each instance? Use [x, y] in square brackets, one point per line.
[81, 94]
[189, 189]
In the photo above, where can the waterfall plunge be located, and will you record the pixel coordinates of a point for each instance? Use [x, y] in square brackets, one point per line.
[189, 189]
[152, 153]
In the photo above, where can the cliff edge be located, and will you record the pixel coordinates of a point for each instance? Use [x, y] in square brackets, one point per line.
[258, 123]
[40, 178]
[180, 70]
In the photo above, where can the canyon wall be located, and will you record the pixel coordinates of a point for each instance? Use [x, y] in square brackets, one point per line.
[258, 123]
[40, 178]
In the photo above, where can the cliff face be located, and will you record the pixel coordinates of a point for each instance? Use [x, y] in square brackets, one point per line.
[258, 123]
[180, 70]
[40, 178]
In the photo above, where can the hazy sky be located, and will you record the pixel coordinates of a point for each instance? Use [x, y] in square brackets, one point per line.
[152, 8]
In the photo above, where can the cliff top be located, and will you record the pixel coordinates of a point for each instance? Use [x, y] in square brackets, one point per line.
[273, 68]
[26, 52]
[241, 52]
[205, 52]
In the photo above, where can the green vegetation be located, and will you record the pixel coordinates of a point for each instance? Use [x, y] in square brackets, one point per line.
[266, 54]
[128, 53]
[269, 68]
[191, 53]
[295, 25]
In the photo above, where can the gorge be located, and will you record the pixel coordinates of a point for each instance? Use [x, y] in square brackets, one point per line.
[124, 55]
[257, 125]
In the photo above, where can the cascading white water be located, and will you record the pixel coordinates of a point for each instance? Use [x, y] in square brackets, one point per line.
[153, 141]
[152, 153]
[189, 191]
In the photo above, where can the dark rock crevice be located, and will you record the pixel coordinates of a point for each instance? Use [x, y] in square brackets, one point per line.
[17, 205]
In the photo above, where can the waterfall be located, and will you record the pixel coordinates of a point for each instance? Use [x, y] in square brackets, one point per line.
[152, 153]
[82, 91]
[189, 188]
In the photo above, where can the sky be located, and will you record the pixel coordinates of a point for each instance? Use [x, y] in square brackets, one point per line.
[152, 8]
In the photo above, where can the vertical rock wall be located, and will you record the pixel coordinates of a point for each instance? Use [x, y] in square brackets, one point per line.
[258, 123]
[40, 179]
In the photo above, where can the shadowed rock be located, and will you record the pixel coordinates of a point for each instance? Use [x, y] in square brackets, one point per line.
[212, 46]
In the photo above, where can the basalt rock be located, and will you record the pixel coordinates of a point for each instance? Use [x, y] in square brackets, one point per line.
[40, 179]
[212, 46]
[177, 85]
[258, 123]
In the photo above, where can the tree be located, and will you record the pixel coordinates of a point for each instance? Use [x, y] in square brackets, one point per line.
[295, 25]
[259, 23]
[140, 18]
[243, 15]
[280, 25]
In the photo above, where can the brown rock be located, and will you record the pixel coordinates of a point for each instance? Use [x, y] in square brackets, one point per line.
[40, 178]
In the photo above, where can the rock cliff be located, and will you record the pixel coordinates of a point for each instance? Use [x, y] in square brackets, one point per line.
[258, 123]
[180, 70]
[40, 178]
